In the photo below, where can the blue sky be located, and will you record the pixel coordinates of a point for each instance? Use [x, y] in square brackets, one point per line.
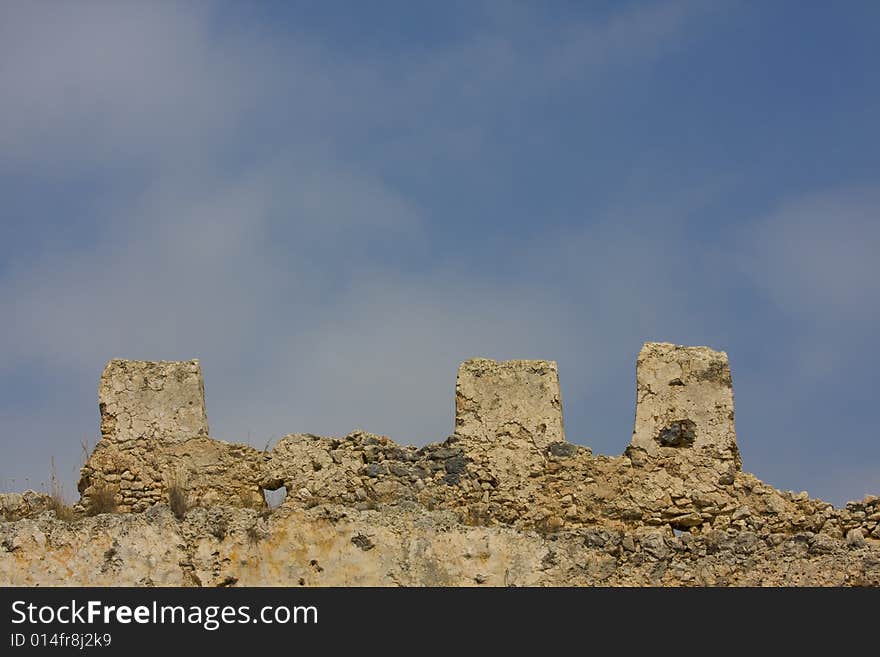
[333, 204]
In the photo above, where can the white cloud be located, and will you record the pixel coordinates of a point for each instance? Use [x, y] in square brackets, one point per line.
[103, 79]
[814, 258]
[817, 255]
[191, 264]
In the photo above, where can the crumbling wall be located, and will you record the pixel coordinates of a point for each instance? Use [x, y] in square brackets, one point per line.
[506, 463]
[154, 438]
[365, 470]
[503, 488]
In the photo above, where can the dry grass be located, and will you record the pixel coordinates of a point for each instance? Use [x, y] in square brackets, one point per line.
[58, 504]
[178, 499]
[177, 490]
[102, 500]
[63, 511]
[86, 451]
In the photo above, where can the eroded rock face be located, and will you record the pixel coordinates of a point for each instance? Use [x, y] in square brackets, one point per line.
[154, 438]
[503, 501]
[407, 545]
[684, 406]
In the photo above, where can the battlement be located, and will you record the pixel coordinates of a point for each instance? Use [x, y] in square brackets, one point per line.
[506, 462]
[506, 483]
[508, 426]
[508, 419]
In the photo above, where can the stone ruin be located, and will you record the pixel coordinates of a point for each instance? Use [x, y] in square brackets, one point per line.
[154, 437]
[507, 461]
[677, 495]
[684, 407]
[508, 414]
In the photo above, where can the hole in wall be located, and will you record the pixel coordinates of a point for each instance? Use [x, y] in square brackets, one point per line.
[275, 497]
[681, 433]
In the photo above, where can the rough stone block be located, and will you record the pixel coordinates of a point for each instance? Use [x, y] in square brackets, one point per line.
[684, 405]
[508, 414]
[29, 504]
[153, 400]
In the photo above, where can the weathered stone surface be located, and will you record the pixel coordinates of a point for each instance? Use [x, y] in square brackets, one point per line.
[496, 400]
[508, 413]
[685, 403]
[160, 401]
[207, 471]
[15, 506]
[364, 469]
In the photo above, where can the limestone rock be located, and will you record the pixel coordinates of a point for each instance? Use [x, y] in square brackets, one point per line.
[509, 413]
[205, 470]
[154, 438]
[685, 405]
[402, 545]
[158, 401]
[15, 506]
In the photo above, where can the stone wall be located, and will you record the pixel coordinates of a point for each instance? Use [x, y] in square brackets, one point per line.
[504, 500]
[154, 439]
